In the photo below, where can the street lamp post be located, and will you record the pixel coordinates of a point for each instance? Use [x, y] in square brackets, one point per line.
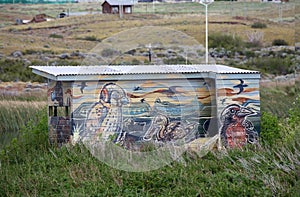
[206, 3]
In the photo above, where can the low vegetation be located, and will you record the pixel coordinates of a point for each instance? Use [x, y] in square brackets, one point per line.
[55, 36]
[9, 67]
[279, 42]
[258, 25]
[15, 114]
[40, 168]
[43, 169]
[272, 65]
[272, 99]
[229, 42]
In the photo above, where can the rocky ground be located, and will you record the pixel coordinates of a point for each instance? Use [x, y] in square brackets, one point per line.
[23, 89]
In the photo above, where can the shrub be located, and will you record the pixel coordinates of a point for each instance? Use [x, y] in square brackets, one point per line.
[273, 65]
[91, 38]
[249, 54]
[135, 62]
[258, 25]
[270, 129]
[55, 36]
[293, 121]
[177, 60]
[226, 41]
[8, 68]
[109, 52]
[255, 39]
[279, 42]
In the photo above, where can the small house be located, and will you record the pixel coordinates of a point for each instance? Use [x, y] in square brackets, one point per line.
[154, 103]
[114, 6]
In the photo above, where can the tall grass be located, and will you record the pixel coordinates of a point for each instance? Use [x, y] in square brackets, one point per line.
[16, 114]
[30, 166]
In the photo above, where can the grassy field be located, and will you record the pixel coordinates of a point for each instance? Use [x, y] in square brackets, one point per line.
[73, 33]
[30, 166]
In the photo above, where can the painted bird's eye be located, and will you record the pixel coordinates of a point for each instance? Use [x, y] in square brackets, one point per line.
[232, 111]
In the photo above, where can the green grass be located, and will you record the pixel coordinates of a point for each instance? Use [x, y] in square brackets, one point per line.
[39, 169]
[16, 114]
[277, 100]
[31, 166]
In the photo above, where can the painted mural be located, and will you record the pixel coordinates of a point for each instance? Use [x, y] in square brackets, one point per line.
[131, 113]
[239, 104]
[134, 112]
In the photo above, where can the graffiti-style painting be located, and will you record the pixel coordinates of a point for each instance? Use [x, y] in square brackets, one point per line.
[134, 112]
[239, 106]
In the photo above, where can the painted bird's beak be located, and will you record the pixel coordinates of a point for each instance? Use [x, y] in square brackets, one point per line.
[124, 101]
[244, 112]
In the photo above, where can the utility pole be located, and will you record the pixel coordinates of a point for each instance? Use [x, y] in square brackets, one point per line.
[206, 3]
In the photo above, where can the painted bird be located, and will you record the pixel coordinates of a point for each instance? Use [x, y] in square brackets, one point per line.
[82, 86]
[163, 130]
[105, 117]
[236, 130]
[137, 88]
[240, 86]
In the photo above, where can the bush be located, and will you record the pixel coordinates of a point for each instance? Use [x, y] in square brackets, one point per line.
[55, 36]
[8, 68]
[273, 65]
[271, 132]
[293, 129]
[258, 25]
[91, 38]
[249, 54]
[177, 60]
[109, 52]
[279, 42]
[226, 41]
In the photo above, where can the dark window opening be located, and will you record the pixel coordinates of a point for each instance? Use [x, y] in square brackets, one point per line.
[55, 111]
[59, 111]
[50, 110]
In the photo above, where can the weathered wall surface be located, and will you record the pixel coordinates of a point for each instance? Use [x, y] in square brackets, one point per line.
[59, 111]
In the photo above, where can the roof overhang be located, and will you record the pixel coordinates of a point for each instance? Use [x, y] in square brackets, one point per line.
[119, 2]
[138, 72]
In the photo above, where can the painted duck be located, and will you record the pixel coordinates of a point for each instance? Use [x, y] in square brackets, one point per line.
[163, 130]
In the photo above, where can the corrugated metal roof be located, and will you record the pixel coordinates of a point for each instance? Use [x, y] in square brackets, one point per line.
[120, 2]
[138, 69]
